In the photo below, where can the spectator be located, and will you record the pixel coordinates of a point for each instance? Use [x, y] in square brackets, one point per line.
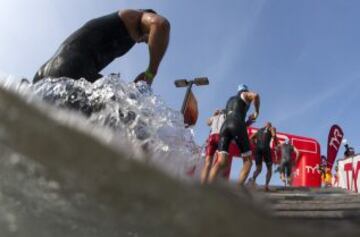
[349, 151]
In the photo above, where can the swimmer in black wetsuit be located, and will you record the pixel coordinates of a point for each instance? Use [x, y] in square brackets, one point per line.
[262, 139]
[287, 163]
[234, 128]
[96, 44]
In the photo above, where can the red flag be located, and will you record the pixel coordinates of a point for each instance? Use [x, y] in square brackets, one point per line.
[334, 141]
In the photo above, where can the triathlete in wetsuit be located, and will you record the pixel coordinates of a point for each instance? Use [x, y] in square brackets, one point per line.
[97, 43]
[286, 163]
[262, 139]
[234, 128]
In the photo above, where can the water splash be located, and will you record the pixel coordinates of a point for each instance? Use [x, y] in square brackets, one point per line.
[132, 111]
[116, 113]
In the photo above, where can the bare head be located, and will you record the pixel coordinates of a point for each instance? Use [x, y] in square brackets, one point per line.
[217, 112]
[268, 125]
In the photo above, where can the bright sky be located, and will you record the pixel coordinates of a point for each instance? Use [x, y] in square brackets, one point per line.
[302, 57]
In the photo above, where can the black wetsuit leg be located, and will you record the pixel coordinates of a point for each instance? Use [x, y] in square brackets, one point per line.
[258, 156]
[69, 63]
[234, 129]
[286, 168]
[267, 157]
[263, 154]
[225, 137]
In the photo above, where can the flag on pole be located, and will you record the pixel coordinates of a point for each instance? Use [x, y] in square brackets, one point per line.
[334, 141]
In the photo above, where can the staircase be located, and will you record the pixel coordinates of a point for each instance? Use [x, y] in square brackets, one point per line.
[329, 211]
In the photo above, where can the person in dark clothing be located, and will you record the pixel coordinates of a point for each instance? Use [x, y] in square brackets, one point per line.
[262, 139]
[349, 151]
[286, 163]
[101, 40]
[234, 128]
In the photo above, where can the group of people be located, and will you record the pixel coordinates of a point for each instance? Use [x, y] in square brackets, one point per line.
[329, 179]
[229, 125]
[87, 51]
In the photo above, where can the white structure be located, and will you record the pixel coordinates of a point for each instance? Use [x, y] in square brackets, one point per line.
[349, 174]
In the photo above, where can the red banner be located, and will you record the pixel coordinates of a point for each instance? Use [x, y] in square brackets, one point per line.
[334, 141]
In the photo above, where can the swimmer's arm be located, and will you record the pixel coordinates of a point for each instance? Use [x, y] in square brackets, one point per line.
[277, 147]
[297, 154]
[253, 137]
[209, 121]
[273, 134]
[159, 34]
[255, 98]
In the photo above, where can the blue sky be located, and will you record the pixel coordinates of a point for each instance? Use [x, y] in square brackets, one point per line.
[302, 57]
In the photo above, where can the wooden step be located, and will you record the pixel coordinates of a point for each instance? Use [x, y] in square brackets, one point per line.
[318, 214]
[315, 207]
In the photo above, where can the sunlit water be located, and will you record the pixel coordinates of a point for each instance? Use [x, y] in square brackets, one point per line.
[132, 112]
[132, 115]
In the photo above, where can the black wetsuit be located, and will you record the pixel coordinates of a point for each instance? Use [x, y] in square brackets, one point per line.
[286, 161]
[263, 139]
[88, 50]
[234, 127]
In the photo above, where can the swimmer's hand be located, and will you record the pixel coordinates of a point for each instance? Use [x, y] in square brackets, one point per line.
[146, 76]
[253, 116]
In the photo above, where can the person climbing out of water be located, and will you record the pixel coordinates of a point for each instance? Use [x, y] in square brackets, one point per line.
[286, 163]
[215, 122]
[234, 128]
[262, 139]
[101, 40]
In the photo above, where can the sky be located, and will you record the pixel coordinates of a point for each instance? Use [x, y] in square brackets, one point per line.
[302, 57]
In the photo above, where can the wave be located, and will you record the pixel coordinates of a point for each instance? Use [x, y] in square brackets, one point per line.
[131, 112]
